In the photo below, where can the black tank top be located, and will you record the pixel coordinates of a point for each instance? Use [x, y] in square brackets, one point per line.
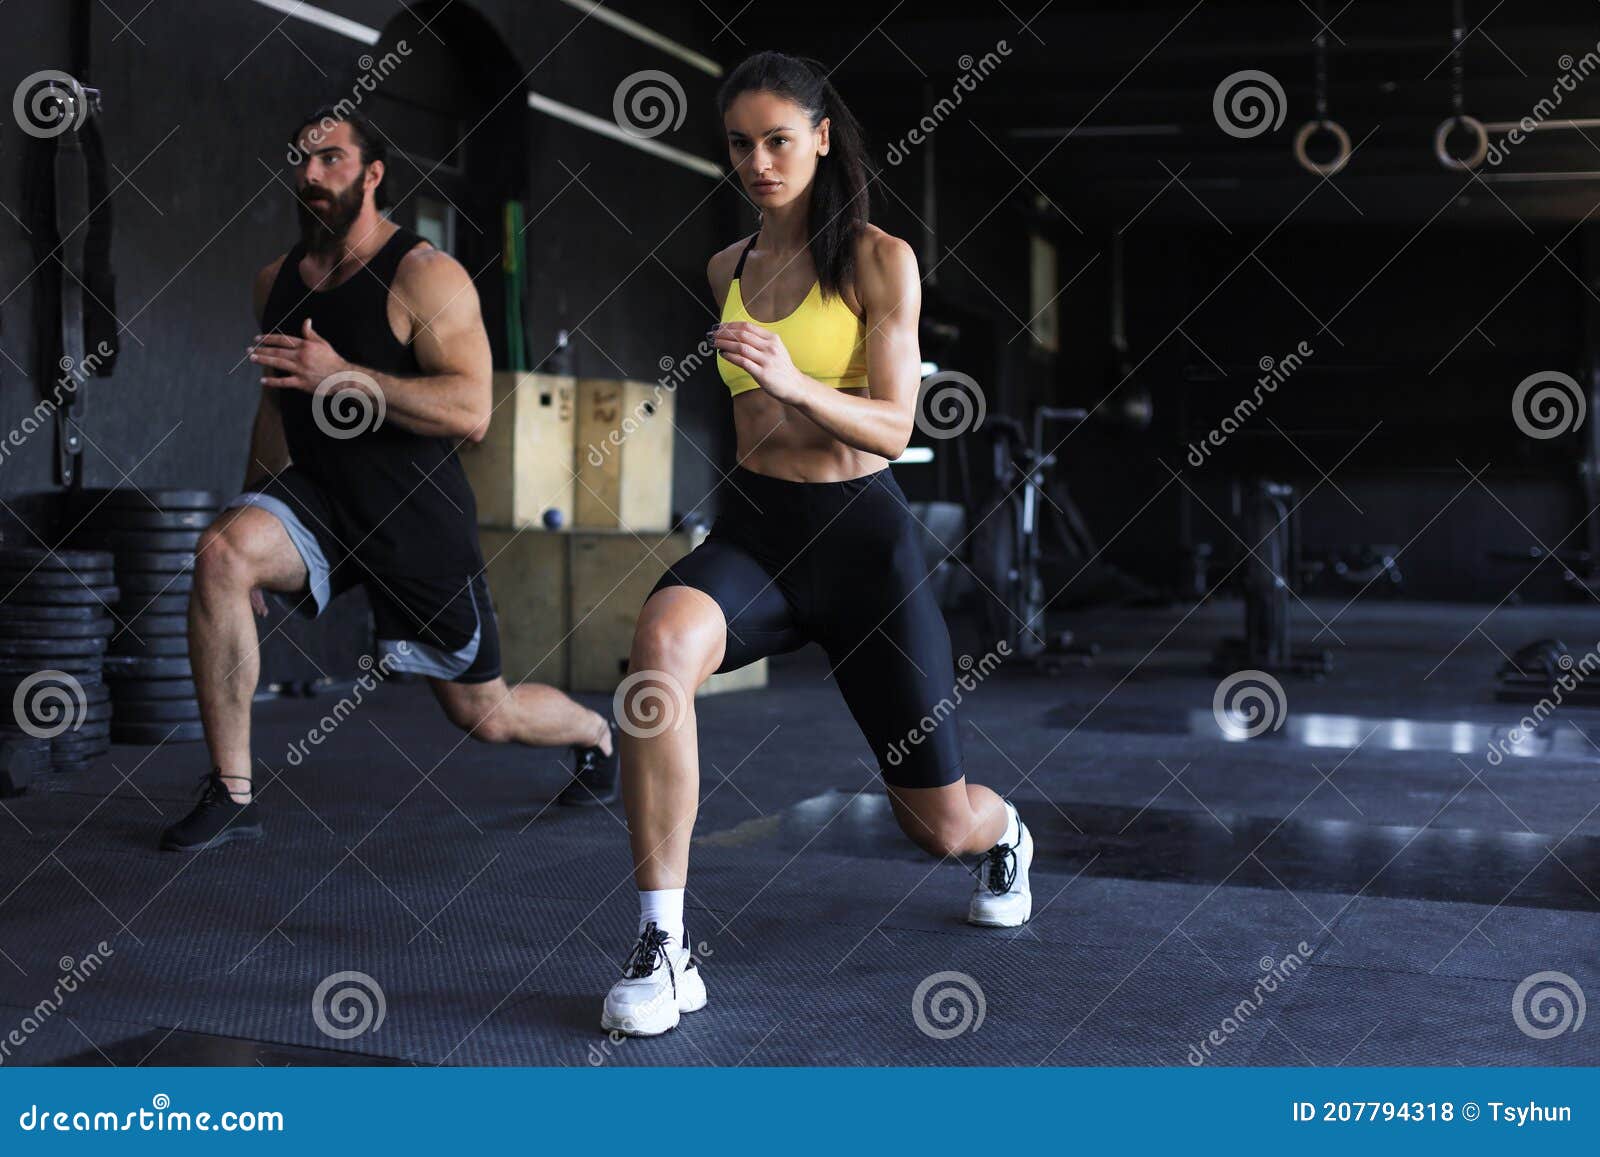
[401, 501]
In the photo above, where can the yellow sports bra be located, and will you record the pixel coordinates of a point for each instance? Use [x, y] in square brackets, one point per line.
[825, 339]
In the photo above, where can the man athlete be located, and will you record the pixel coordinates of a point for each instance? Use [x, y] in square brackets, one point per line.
[375, 366]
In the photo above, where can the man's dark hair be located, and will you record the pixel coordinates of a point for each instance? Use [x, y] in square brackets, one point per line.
[368, 140]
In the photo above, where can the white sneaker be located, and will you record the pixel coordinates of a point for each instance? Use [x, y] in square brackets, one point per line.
[1003, 898]
[662, 982]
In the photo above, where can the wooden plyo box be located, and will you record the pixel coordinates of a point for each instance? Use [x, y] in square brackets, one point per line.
[525, 465]
[527, 574]
[568, 603]
[624, 456]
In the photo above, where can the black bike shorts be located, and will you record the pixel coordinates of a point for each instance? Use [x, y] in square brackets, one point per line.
[839, 564]
[441, 626]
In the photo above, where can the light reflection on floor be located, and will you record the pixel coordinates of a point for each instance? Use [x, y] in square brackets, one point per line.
[1491, 742]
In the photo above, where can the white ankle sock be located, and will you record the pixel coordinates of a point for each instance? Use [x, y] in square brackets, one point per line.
[665, 907]
[1013, 832]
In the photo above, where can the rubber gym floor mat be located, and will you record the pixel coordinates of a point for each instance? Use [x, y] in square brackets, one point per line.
[1186, 921]
[1365, 787]
[1341, 1016]
[1472, 941]
[1229, 848]
[65, 1037]
[170, 1047]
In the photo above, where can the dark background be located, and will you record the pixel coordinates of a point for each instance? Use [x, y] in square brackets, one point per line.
[1427, 294]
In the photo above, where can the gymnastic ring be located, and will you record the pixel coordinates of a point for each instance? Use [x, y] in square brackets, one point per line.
[1322, 168]
[1446, 158]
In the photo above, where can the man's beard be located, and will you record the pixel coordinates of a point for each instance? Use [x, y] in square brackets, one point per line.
[324, 226]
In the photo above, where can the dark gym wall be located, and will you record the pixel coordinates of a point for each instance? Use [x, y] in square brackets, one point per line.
[198, 99]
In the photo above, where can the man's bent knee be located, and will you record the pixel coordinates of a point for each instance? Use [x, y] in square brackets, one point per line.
[220, 562]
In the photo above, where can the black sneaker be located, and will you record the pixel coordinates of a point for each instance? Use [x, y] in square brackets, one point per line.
[215, 820]
[594, 776]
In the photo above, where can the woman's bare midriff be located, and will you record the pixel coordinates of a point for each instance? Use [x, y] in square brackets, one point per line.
[780, 441]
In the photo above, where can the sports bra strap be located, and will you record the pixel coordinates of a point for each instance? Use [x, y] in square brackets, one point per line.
[739, 269]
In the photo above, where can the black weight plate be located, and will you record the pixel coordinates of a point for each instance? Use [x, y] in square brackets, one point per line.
[131, 692]
[154, 561]
[21, 580]
[140, 645]
[146, 498]
[21, 758]
[156, 732]
[86, 735]
[74, 767]
[127, 540]
[93, 749]
[140, 667]
[10, 614]
[140, 585]
[75, 596]
[71, 664]
[151, 626]
[96, 628]
[89, 682]
[118, 518]
[157, 711]
[133, 606]
[51, 648]
[27, 558]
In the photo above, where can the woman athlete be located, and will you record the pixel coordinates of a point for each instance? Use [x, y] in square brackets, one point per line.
[814, 541]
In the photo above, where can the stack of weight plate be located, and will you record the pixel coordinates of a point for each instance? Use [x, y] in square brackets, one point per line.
[54, 623]
[152, 534]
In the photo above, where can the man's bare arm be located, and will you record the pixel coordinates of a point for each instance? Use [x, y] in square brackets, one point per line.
[453, 396]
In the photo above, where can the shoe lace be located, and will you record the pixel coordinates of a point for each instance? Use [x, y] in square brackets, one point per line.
[649, 954]
[212, 791]
[999, 869]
